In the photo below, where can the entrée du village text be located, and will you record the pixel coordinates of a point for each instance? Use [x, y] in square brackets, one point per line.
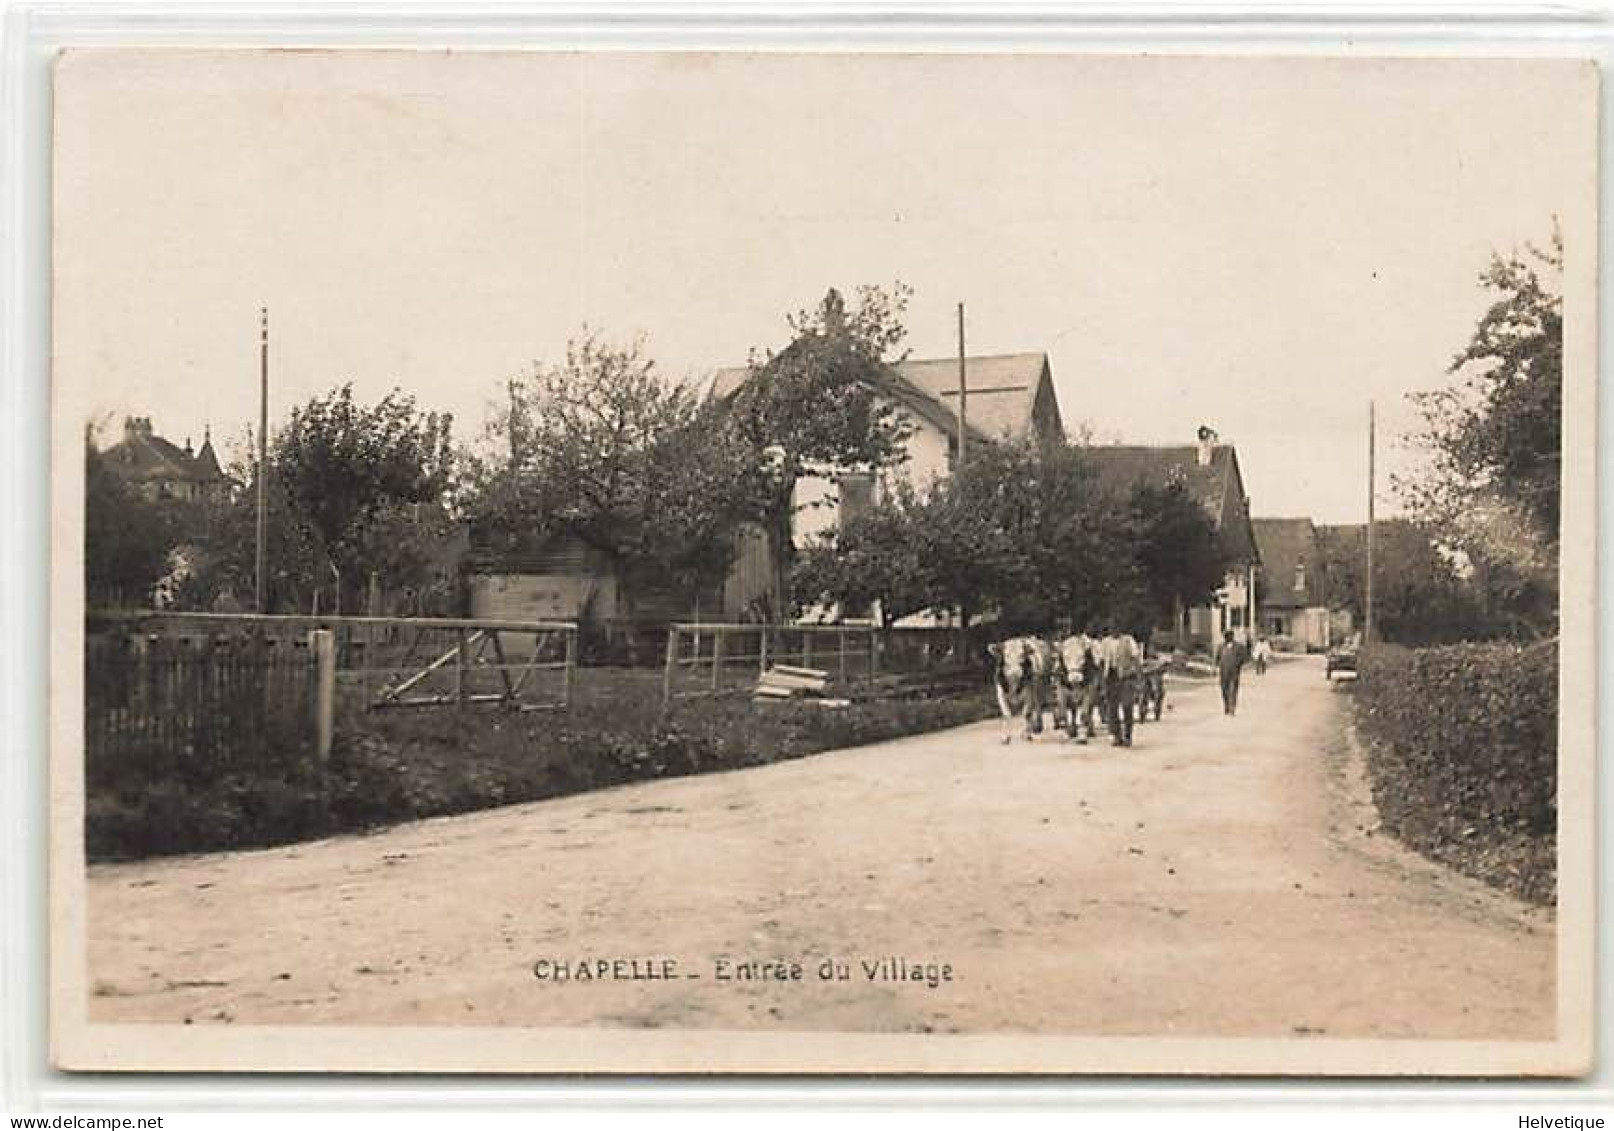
[930, 974]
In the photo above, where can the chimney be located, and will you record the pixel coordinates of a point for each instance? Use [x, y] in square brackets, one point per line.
[1207, 444]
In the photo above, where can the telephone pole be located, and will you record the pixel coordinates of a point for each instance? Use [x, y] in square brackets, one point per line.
[1367, 617]
[263, 456]
[963, 391]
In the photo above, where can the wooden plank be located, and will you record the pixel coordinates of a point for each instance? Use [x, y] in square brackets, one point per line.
[802, 683]
[787, 669]
[504, 668]
[444, 700]
[670, 663]
[452, 654]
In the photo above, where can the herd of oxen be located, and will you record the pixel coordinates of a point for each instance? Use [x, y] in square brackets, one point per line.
[1078, 677]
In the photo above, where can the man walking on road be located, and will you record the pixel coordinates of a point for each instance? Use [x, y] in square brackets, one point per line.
[1229, 665]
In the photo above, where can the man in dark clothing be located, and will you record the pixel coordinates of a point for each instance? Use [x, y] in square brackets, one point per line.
[1229, 665]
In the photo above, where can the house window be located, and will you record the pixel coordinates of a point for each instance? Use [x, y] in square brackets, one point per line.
[857, 497]
[1300, 578]
[1235, 616]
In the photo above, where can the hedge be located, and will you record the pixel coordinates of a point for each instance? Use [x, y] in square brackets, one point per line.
[1463, 756]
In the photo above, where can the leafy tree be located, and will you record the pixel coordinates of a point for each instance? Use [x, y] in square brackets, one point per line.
[816, 407]
[1023, 532]
[601, 449]
[1178, 554]
[1420, 594]
[1494, 440]
[127, 538]
[353, 490]
[343, 468]
[876, 560]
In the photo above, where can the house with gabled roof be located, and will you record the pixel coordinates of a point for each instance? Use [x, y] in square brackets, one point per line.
[1294, 604]
[1209, 470]
[1007, 397]
[159, 469]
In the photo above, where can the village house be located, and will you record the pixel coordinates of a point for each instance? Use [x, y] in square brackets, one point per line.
[1294, 605]
[1293, 583]
[1209, 470]
[159, 469]
[1008, 397]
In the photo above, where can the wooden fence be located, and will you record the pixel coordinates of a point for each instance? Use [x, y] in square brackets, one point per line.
[708, 659]
[174, 703]
[386, 662]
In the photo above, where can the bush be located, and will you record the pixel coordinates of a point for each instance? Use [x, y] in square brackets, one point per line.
[1463, 755]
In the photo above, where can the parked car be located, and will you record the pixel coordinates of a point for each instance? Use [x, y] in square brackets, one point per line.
[1341, 659]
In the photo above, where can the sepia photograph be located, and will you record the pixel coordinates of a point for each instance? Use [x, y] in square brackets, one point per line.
[822, 563]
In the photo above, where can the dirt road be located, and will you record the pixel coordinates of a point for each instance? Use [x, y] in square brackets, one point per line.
[1212, 880]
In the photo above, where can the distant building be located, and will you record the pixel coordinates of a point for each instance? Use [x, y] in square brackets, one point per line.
[159, 469]
[1293, 582]
[1209, 471]
[563, 578]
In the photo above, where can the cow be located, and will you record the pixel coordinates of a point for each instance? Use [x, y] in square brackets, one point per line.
[1020, 671]
[1076, 685]
[1120, 662]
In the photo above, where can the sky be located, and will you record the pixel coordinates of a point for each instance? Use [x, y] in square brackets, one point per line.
[1263, 246]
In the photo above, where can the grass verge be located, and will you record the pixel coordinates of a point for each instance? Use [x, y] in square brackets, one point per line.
[386, 768]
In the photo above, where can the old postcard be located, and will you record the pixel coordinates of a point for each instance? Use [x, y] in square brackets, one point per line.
[822, 563]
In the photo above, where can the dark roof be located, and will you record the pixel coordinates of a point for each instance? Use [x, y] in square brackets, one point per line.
[142, 456]
[1287, 544]
[1002, 391]
[1216, 485]
[207, 462]
[1122, 468]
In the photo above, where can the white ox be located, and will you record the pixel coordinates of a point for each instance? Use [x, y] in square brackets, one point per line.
[1077, 684]
[1020, 670]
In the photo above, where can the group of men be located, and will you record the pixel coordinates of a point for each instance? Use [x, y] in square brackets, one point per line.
[1104, 674]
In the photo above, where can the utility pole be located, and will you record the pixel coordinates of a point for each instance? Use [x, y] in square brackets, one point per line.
[263, 455]
[1367, 626]
[963, 391]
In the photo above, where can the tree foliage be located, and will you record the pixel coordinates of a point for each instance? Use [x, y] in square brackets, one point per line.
[353, 490]
[601, 449]
[1023, 532]
[819, 406]
[1494, 441]
[877, 560]
[1178, 552]
[348, 474]
[817, 403]
[127, 538]
[1420, 595]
